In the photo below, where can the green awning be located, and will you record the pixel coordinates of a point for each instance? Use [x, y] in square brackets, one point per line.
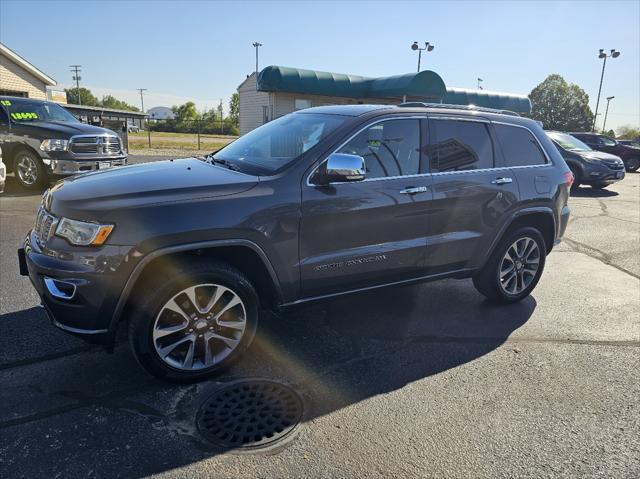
[422, 86]
[487, 99]
[425, 84]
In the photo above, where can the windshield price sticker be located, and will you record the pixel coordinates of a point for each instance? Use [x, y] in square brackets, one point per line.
[5, 102]
[24, 116]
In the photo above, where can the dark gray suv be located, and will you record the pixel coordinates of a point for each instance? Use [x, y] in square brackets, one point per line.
[318, 203]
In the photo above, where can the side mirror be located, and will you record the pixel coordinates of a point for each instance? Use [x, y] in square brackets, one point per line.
[342, 168]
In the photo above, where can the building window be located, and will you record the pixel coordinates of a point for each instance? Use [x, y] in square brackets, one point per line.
[301, 104]
[265, 114]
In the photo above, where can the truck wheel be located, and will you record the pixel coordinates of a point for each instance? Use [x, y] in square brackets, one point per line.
[194, 324]
[29, 170]
[514, 268]
[632, 164]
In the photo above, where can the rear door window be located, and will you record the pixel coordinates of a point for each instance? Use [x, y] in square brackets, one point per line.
[458, 145]
[519, 146]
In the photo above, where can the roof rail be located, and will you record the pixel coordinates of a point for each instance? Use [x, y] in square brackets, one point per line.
[410, 104]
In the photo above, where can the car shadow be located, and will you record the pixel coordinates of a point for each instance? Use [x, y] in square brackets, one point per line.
[335, 353]
[13, 189]
[588, 192]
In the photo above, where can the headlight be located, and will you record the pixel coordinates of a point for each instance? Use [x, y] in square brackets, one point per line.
[81, 233]
[54, 145]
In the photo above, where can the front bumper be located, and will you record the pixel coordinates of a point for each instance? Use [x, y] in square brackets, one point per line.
[63, 167]
[601, 174]
[78, 290]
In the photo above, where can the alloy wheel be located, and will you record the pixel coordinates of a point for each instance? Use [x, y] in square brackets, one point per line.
[27, 170]
[519, 265]
[199, 327]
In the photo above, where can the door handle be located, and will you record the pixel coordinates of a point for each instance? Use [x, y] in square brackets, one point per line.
[412, 190]
[501, 181]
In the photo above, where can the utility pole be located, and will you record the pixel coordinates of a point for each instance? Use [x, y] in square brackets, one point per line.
[141, 90]
[76, 69]
[220, 109]
[480, 80]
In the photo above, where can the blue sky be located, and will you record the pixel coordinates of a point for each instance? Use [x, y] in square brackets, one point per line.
[202, 50]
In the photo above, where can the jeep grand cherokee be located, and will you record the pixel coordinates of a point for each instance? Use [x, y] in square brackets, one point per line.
[321, 202]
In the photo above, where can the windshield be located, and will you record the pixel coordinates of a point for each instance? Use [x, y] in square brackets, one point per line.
[24, 110]
[568, 142]
[279, 142]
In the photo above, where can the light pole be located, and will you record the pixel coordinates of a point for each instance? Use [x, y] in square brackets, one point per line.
[606, 112]
[256, 45]
[480, 80]
[76, 76]
[427, 46]
[614, 54]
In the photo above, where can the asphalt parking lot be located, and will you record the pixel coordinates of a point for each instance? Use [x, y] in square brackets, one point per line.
[422, 381]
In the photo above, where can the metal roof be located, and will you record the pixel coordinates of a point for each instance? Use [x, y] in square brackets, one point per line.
[424, 85]
[99, 109]
[488, 99]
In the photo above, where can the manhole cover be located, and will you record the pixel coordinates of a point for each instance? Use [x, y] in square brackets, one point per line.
[250, 414]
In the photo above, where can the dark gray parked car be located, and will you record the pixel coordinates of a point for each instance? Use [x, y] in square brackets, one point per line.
[318, 203]
[589, 167]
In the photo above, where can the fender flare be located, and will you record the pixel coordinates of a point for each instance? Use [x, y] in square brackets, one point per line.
[139, 268]
[519, 214]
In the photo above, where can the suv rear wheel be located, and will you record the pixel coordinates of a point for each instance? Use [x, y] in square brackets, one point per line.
[632, 164]
[514, 268]
[29, 170]
[195, 324]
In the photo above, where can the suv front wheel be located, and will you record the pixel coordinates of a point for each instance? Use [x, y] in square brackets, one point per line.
[196, 323]
[514, 268]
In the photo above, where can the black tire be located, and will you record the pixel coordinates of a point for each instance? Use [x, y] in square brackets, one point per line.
[632, 164]
[37, 170]
[487, 280]
[142, 321]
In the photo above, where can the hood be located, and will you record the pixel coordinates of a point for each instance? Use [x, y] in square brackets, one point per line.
[597, 155]
[91, 195]
[65, 129]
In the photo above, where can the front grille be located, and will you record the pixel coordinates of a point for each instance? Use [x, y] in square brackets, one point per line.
[615, 166]
[95, 145]
[45, 226]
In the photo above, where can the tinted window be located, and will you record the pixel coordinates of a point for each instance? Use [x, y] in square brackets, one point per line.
[519, 146]
[389, 148]
[3, 117]
[459, 145]
[279, 142]
[607, 141]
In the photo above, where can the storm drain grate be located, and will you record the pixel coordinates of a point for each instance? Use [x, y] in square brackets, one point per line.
[250, 414]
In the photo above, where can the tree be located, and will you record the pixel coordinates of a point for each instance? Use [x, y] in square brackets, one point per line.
[109, 101]
[185, 112]
[610, 133]
[627, 132]
[234, 109]
[86, 97]
[561, 106]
